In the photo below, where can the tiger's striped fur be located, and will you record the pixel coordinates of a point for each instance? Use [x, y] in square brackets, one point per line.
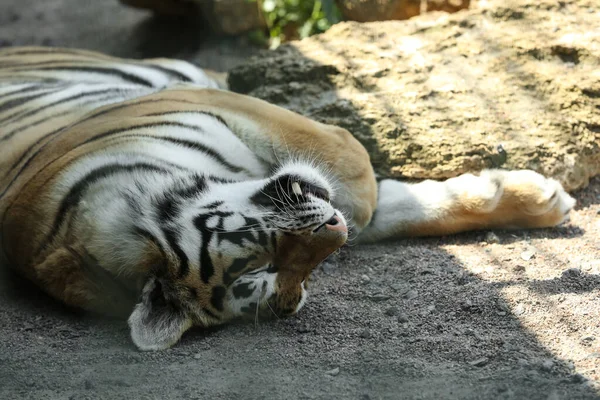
[125, 182]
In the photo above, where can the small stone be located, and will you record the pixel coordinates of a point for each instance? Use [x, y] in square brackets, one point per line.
[365, 278]
[403, 318]
[519, 309]
[411, 294]
[197, 356]
[527, 255]
[365, 334]
[328, 268]
[571, 273]
[480, 362]
[333, 372]
[491, 237]
[578, 378]
[304, 328]
[88, 385]
[379, 297]
[392, 311]
[587, 340]
[547, 365]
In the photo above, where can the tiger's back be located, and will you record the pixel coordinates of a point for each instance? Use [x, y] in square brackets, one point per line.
[45, 91]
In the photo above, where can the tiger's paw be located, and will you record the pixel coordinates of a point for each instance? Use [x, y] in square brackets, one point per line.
[514, 199]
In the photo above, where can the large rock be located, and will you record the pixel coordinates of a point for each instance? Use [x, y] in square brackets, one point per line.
[385, 10]
[434, 96]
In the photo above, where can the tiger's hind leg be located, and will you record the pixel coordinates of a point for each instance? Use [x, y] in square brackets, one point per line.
[493, 199]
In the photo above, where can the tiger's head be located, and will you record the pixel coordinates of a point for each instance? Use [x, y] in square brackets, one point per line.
[234, 248]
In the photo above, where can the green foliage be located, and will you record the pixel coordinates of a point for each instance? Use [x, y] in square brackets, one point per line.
[296, 19]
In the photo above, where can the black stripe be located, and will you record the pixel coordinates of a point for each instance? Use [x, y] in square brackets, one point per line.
[208, 113]
[19, 101]
[12, 133]
[217, 297]
[207, 268]
[56, 63]
[50, 138]
[105, 71]
[77, 191]
[167, 71]
[21, 91]
[239, 265]
[20, 115]
[243, 290]
[194, 146]
[172, 240]
[198, 186]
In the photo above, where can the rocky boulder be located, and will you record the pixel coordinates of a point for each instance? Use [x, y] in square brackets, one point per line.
[435, 96]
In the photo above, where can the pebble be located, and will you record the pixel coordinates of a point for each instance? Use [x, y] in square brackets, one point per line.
[411, 294]
[304, 328]
[197, 356]
[571, 272]
[379, 297]
[547, 365]
[491, 237]
[328, 267]
[365, 334]
[403, 318]
[365, 278]
[480, 362]
[333, 372]
[88, 385]
[587, 340]
[392, 311]
[528, 255]
[519, 309]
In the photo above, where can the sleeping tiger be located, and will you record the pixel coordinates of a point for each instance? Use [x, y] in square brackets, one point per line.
[142, 188]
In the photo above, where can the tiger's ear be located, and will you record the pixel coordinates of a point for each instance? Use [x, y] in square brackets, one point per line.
[157, 322]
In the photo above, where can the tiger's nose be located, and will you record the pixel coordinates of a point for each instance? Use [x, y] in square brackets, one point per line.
[336, 224]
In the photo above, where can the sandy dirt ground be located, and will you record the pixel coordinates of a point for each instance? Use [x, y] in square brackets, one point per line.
[508, 315]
